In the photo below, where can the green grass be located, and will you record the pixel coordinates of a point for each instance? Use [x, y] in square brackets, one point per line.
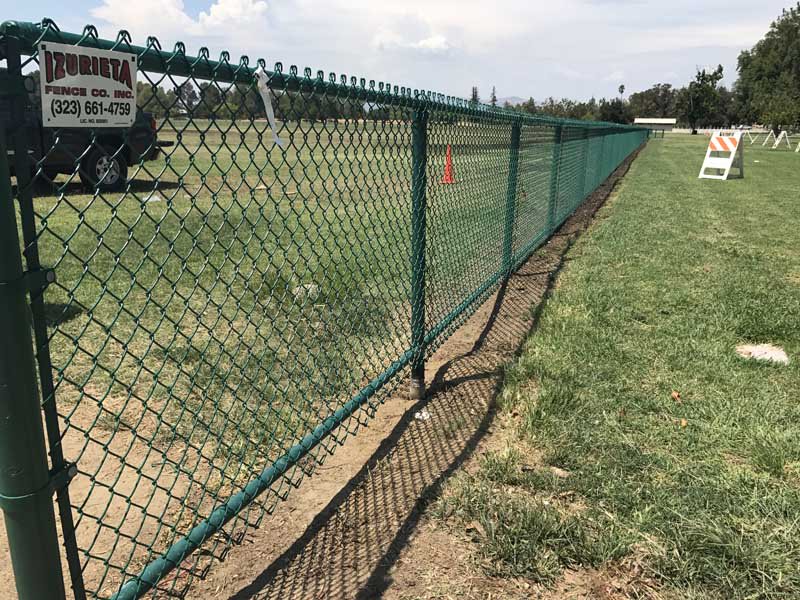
[703, 491]
[185, 305]
[236, 294]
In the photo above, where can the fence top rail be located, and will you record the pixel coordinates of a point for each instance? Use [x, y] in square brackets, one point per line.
[179, 64]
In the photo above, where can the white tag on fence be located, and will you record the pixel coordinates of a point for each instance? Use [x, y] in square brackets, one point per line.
[266, 96]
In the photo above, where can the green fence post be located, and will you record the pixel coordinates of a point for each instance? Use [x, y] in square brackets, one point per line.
[584, 166]
[554, 174]
[600, 169]
[26, 487]
[511, 197]
[419, 161]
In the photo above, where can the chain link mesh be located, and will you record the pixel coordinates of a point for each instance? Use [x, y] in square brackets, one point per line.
[234, 311]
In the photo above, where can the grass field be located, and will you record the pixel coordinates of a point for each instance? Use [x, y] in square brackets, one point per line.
[226, 255]
[226, 258]
[212, 315]
[639, 443]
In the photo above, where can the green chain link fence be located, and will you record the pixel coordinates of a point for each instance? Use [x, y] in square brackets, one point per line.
[213, 314]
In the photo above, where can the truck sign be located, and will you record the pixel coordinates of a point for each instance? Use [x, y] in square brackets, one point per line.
[86, 87]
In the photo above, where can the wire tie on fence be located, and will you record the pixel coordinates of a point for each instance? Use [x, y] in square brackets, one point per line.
[31, 281]
[262, 80]
[57, 481]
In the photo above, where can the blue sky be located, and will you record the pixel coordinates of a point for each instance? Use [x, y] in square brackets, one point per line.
[573, 48]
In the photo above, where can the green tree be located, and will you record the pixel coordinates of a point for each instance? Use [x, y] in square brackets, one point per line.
[555, 108]
[614, 111]
[698, 103]
[154, 99]
[529, 106]
[210, 105]
[591, 111]
[188, 95]
[768, 88]
[658, 102]
[781, 108]
[727, 109]
[493, 97]
[563, 108]
[474, 97]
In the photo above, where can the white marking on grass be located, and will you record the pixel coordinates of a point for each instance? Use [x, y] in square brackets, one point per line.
[306, 291]
[766, 352]
[422, 415]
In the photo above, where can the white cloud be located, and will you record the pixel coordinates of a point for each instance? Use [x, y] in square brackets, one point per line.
[575, 48]
[388, 40]
[169, 19]
[435, 43]
[136, 17]
[232, 13]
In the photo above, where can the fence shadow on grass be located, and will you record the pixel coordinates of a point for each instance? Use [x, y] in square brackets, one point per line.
[350, 547]
[71, 185]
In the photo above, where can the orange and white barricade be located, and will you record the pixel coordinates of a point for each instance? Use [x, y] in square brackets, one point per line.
[724, 152]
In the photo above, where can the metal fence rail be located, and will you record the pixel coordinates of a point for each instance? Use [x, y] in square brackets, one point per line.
[206, 331]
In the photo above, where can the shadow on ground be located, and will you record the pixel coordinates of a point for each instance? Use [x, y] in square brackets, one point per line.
[349, 548]
[43, 187]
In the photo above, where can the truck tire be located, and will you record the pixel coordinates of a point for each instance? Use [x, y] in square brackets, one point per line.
[104, 171]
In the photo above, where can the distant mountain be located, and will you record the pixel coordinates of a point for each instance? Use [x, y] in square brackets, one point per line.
[510, 100]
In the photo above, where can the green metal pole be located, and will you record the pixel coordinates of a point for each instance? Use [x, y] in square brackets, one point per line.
[511, 197]
[26, 494]
[554, 173]
[600, 170]
[584, 167]
[19, 144]
[419, 160]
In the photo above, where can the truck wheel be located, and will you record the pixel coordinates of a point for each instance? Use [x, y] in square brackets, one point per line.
[105, 172]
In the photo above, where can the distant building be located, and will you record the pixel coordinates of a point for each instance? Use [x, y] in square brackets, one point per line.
[656, 124]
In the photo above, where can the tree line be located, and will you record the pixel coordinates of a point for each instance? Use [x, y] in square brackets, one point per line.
[209, 100]
[766, 92]
[701, 103]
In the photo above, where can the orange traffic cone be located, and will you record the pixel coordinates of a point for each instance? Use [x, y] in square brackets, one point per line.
[448, 167]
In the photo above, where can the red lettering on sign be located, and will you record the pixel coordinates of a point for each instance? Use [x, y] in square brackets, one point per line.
[58, 65]
[72, 64]
[125, 75]
[62, 90]
[58, 72]
[48, 66]
[85, 67]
